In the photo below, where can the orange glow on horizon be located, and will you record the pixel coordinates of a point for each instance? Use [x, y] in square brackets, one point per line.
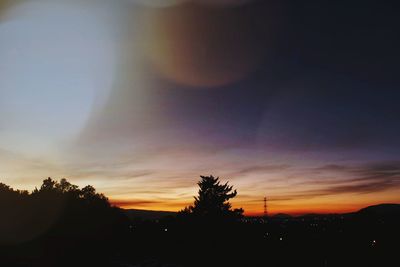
[294, 210]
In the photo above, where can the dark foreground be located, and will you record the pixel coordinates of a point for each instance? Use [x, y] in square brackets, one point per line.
[61, 225]
[360, 239]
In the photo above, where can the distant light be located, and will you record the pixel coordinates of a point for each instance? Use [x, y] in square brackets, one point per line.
[166, 230]
[281, 239]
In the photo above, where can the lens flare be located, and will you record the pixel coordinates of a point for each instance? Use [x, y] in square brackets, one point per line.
[203, 46]
[54, 56]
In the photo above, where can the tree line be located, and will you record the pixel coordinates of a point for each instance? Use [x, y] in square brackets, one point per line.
[60, 220]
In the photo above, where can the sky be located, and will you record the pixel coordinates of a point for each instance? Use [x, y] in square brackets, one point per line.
[297, 101]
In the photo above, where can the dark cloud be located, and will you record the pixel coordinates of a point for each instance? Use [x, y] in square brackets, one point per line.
[138, 203]
[367, 178]
[363, 187]
[270, 199]
[387, 169]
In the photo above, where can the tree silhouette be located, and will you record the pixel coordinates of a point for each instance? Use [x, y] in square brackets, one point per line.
[213, 200]
[63, 218]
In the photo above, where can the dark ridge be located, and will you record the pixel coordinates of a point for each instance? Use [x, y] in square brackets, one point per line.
[282, 216]
[381, 209]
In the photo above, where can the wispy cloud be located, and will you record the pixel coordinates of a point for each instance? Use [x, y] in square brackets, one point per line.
[262, 169]
[373, 177]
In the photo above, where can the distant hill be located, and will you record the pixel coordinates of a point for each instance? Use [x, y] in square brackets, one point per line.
[381, 209]
[282, 216]
[147, 214]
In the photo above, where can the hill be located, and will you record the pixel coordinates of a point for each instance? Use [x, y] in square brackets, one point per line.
[282, 216]
[381, 209]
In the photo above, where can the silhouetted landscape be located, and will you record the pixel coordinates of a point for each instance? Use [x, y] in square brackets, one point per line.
[294, 104]
[60, 224]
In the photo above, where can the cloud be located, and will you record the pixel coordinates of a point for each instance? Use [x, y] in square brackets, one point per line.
[263, 168]
[161, 204]
[365, 178]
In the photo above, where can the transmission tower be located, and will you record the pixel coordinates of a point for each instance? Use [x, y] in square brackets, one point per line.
[265, 207]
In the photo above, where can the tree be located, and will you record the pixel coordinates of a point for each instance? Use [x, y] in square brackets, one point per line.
[48, 185]
[213, 200]
[66, 187]
[70, 222]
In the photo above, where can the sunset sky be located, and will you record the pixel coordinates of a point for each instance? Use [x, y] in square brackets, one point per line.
[298, 101]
